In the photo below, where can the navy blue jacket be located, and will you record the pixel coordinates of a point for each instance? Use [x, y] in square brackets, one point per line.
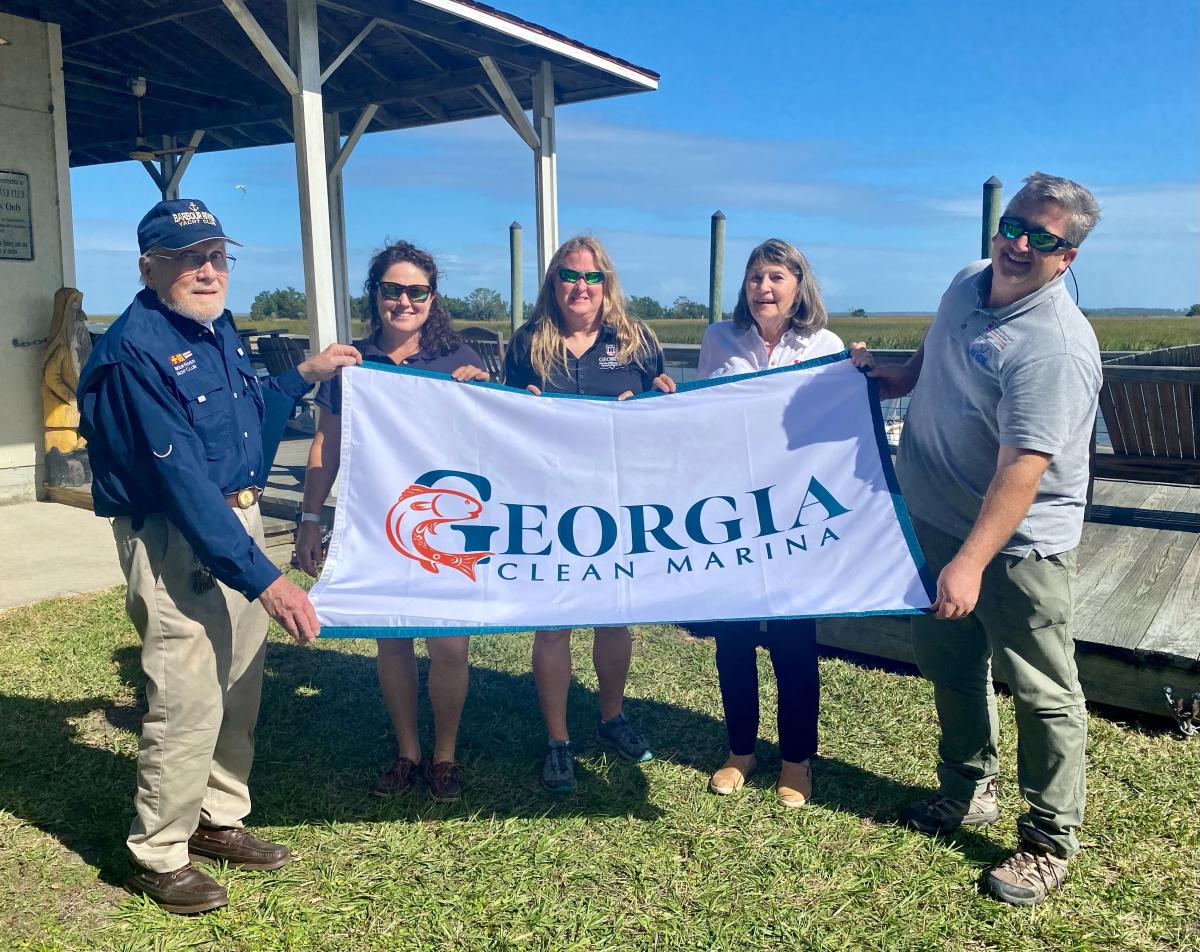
[597, 373]
[173, 418]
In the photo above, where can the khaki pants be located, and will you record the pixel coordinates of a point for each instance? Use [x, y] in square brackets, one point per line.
[203, 658]
[1020, 626]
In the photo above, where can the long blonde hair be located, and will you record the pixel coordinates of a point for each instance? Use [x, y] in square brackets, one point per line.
[548, 349]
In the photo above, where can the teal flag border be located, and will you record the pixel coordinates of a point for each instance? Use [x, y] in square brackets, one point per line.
[885, 456]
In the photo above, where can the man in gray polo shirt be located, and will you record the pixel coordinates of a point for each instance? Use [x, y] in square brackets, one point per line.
[993, 463]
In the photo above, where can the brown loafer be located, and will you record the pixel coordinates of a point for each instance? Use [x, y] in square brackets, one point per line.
[184, 891]
[445, 781]
[794, 788]
[237, 847]
[397, 778]
[732, 775]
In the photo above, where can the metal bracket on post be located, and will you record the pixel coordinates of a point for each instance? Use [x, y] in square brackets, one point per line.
[1185, 712]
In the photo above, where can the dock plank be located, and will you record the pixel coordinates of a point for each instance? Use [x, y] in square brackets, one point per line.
[1131, 609]
[1096, 538]
[1174, 632]
[1099, 579]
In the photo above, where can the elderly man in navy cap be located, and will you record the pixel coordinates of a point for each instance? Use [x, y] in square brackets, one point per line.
[172, 411]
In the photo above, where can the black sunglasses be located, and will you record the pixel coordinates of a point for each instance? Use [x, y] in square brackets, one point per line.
[392, 291]
[567, 276]
[1043, 241]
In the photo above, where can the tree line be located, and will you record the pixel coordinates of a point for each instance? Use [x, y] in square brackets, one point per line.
[482, 304]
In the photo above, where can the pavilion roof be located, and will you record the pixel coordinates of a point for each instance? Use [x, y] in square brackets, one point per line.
[420, 62]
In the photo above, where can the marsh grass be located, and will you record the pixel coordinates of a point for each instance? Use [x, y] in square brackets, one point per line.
[640, 858]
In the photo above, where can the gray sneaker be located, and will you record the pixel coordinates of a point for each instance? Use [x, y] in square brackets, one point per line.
[1027, 876]
[558, 771]
[940, 814]
[627, 740]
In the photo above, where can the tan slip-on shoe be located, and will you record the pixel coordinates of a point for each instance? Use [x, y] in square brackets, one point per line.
[732, 775]
[794, 788]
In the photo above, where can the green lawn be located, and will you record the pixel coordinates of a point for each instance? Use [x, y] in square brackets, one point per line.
[640, 858]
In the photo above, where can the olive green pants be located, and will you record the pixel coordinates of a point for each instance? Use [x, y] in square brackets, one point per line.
[1020, 628]
[203, 657]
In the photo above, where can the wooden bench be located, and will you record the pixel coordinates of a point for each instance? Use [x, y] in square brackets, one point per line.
[1151, 406]
[489, 345]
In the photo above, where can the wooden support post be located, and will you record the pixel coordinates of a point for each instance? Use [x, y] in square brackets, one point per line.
[62, 154]
[991, 214]
[545, 164]
[182, 162]
[337, 229]
[308, 121]
[516, 305]
[716, 265]
[166, 168]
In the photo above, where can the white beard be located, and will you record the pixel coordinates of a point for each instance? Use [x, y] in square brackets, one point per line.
[192, 313]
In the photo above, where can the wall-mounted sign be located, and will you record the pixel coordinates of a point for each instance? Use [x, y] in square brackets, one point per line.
[16, 221]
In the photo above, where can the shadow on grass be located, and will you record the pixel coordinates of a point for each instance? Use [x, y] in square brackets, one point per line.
[323, 737]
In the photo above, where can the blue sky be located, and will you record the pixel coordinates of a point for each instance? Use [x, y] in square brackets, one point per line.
[861, 131]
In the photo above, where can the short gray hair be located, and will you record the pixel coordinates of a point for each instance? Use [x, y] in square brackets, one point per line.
[808, 313]
[145, 256]
[1077, 200]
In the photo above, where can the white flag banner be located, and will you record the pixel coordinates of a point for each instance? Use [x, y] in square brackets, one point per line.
[476, 508]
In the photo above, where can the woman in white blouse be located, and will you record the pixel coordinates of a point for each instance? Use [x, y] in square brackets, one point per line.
[779, 320]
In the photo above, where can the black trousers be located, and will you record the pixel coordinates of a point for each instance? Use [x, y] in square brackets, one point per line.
[793, 648]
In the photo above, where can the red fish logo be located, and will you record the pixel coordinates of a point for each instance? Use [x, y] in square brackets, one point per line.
[418, 512]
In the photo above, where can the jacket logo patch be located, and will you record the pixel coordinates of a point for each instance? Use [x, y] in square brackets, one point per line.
[182, 363]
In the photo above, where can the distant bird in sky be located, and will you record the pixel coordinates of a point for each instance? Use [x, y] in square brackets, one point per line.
[240, 188]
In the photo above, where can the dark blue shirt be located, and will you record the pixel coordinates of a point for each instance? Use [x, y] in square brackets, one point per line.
[172, 413]
[598, 372]
[329, 394]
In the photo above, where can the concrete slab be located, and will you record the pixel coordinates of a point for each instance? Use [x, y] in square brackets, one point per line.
[48, 550]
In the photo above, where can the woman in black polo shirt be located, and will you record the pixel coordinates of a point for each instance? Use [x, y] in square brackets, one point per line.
[410, 327]
[580, 339]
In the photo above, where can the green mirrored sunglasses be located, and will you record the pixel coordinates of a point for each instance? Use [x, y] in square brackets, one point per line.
[567, 276]
[1043, 241]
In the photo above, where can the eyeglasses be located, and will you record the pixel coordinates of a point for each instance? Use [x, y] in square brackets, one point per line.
[567, 276]
[191, 261]
[1043, 241]
[392, 291]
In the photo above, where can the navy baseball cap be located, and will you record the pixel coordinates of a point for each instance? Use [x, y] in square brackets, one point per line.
[178, 224]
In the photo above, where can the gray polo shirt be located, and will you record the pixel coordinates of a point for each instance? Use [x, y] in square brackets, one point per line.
[1025, 376]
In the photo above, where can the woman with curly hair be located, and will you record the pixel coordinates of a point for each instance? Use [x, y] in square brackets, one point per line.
[580, 339]
[411, 328]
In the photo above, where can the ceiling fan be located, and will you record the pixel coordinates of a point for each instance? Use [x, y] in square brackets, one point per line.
[142, 150]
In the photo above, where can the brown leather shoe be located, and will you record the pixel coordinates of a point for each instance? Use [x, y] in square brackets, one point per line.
[445, 781]
[184, 891]
[794, 788]
[237, 847]
[397, 778]
[732, 775]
